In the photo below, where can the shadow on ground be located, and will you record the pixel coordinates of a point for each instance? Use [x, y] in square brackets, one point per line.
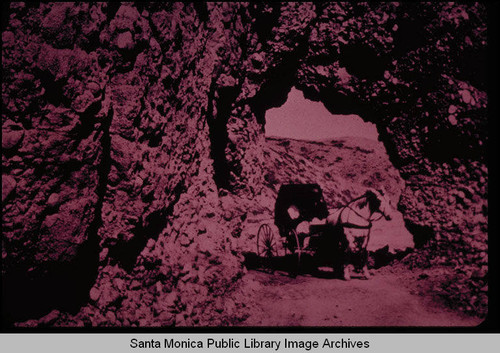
[289, 264]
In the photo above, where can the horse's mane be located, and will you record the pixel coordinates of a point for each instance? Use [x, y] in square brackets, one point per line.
[372, 199]
[363, 201]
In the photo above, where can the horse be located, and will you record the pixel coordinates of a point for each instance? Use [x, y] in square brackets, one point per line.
[354, 222]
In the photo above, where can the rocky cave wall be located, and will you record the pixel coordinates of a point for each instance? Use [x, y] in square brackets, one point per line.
[126, 127]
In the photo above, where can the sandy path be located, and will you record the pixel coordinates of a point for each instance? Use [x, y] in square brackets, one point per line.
[310, 301]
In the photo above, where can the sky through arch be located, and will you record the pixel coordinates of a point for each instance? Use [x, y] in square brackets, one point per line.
[303, 119]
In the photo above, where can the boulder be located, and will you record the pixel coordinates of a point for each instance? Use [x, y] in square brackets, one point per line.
[8, 186]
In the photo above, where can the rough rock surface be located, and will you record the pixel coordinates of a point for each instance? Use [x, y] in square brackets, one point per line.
[129, 132]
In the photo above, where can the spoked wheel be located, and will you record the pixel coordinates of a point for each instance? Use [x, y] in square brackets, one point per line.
[267, 245]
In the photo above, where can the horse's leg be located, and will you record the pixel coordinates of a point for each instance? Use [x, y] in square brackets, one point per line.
[366, 273]
[347, 272]
[346, 264]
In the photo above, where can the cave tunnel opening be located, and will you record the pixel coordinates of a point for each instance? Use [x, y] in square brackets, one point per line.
[308, 142]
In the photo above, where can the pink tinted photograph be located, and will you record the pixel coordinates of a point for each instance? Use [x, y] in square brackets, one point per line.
[244, 164]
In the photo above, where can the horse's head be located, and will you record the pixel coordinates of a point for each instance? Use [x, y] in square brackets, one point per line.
[378, 202]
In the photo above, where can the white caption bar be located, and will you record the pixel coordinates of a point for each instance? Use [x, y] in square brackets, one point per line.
[249, 342]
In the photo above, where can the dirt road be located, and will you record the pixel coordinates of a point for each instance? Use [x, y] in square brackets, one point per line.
[384, 300]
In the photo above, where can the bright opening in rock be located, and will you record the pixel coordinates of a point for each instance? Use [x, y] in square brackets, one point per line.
[303, 119]
[305, 143]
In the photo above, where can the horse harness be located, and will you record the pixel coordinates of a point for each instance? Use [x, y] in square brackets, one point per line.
[357, 226]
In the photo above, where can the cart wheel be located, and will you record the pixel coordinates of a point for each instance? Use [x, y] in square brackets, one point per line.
[267, 245]
[299, 248]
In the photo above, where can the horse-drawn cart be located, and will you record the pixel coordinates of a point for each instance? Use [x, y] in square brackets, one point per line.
[338, 237]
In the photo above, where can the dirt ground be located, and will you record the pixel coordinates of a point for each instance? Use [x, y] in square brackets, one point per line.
[387, 299]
